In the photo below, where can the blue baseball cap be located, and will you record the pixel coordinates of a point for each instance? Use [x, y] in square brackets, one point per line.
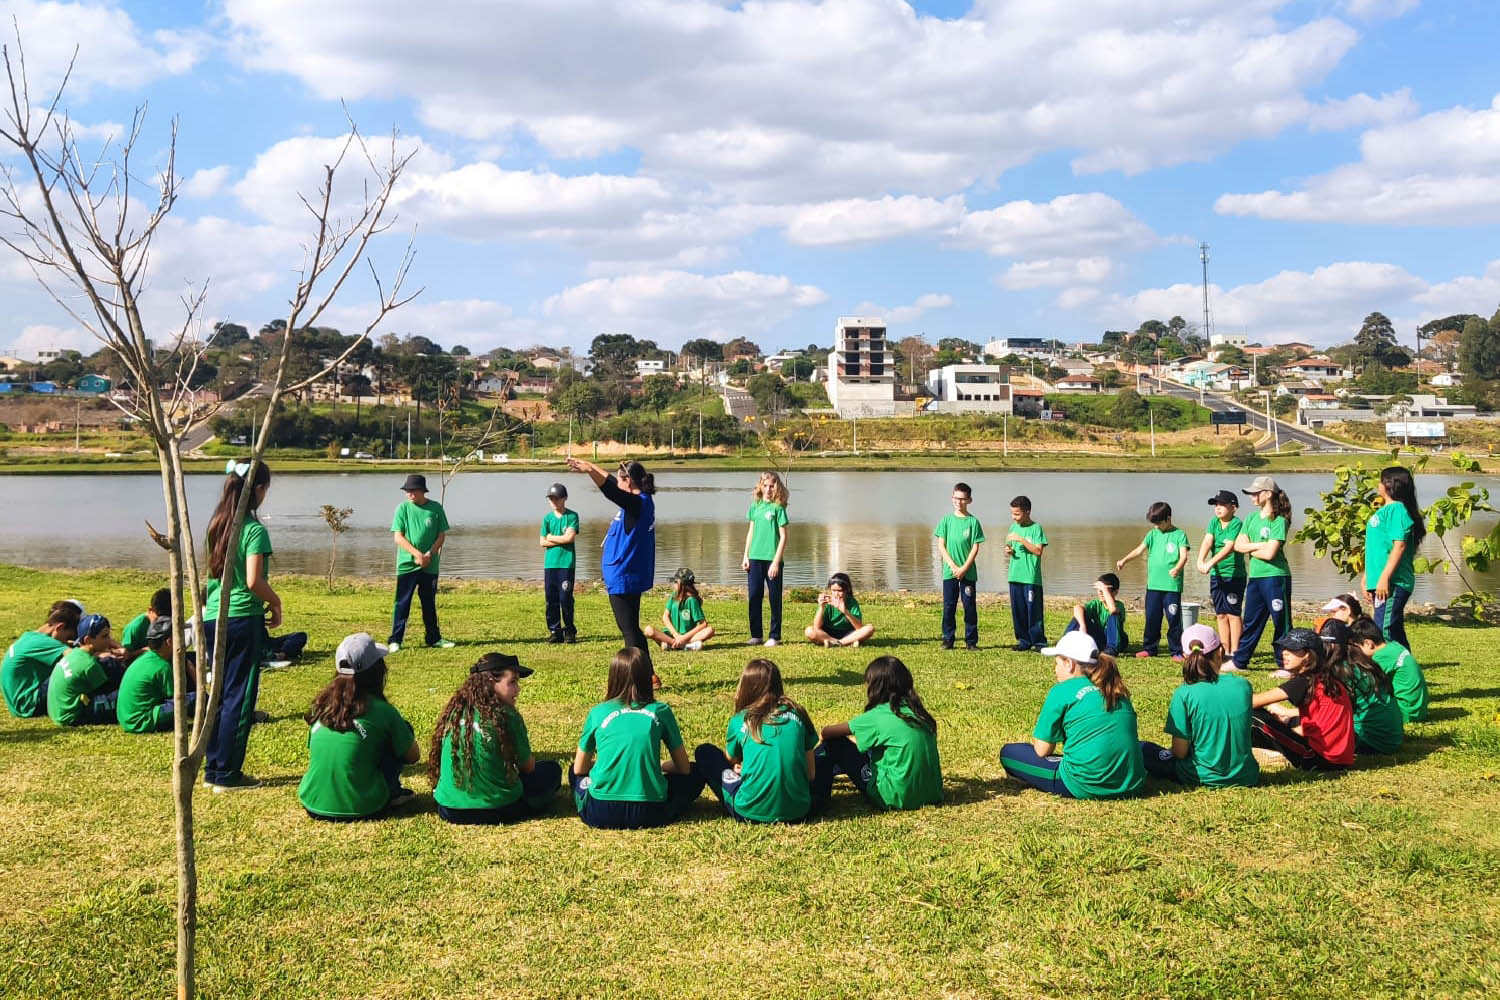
[91, 625]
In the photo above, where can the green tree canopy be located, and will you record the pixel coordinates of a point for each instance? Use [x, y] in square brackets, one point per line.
[1376, 342]
[1479, 349]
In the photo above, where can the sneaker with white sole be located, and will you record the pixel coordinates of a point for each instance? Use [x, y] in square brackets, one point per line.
[442, 644]
[392, 647]
[234, 784]
[772, 642]
[695, 645]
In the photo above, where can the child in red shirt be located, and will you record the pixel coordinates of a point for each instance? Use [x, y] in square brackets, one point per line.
[1319, 735]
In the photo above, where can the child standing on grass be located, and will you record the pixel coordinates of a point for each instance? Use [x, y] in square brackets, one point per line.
[1089, 710]
[1225, 567]
[1396, 662]
[1319, 734]
[765, 772]
[1025, 543]
[82, 690]
[1268, 585]
[1208, 720]
[1392, 535]
[133, 635]
[765, 545]
[145, 704]
[559, 532]
[480, 764]
[27, 668]
[838, 620]
[1166, 551]
[890, 750]
[683, 625]
[358, 741]
[961, 535]
[618, 778]
[420, 528]
[1103, 618]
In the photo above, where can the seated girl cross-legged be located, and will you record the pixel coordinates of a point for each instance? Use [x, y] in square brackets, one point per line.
[1208, 720]
[890, 750]
[1318, 734]
[838, 620]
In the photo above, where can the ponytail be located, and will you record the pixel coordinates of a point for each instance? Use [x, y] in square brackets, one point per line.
[1105, 674]
[636, 473]
[1402, 488]
[229, 498]
[1281, 506]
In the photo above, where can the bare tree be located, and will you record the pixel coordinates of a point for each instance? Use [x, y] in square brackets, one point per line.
[85, 225]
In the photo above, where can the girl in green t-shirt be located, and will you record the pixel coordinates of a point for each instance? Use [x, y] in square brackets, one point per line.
[765, 772]
[1268, 587]
[683, 624]
[480, 763]
[1378, 723]
[1208, 720]
[838, 620]
[1392, 535]
[889, 750]
[765, 546]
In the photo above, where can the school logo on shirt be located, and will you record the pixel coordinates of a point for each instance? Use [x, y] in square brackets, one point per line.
[770, 515]
[1374, 521]
[1171, 547]
[1265, 533]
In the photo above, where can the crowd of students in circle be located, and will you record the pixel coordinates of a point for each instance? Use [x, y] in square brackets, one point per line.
[1346, 687]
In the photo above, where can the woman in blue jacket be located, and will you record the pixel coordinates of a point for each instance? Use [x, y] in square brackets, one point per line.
[628, 562]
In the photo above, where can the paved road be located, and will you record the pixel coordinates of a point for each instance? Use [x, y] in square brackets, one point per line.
[1289, 433]
[738, 403]
[203, 434]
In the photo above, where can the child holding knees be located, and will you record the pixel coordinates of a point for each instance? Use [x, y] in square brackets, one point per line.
[765, 772]
[480, 763]
[1396, 662]
[838, 620]
[83, 687]
[1317, 733]
[1089, 710]
[358, 742]
[1377, 715]
[1208, 720]
[27, 668]
[145, 704]
[890, 750]
[683, 624]
[618, 778]
[1103, 618]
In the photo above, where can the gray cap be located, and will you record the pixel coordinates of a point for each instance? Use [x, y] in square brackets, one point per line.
[557, 490]
[159, 629]
[1260, 483]
[358, 653]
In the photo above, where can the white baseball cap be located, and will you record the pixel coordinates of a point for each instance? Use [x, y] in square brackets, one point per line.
[357, 653]
[1079, 647]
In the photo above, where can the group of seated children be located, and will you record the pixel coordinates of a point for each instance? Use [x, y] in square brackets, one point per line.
[773, 768]
[838, 620]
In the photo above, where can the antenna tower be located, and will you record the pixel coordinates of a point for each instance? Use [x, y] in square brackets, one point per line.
[1203, 256]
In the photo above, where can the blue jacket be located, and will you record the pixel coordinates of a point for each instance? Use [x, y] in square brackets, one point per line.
[629, 559]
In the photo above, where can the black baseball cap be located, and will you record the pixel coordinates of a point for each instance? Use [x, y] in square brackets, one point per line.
[1299, 640]
[499, 663]
[557, 490]
[1224, 497]
[159, 629]
[1334, 630]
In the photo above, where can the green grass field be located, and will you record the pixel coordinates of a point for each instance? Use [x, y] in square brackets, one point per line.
[1379, 883]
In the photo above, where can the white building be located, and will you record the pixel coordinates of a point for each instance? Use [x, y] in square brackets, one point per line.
[1032, 346]
[1078, 383]
[1218, 340]
[861, 371]
[650, 366]
[969, 389]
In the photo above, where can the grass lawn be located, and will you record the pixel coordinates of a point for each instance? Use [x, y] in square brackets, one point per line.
[1381, 882]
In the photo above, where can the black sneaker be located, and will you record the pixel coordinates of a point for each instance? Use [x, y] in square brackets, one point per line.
[556, 639]
[971, 646]
[402, 796]
[1021, 647]
[570, 637]
[232, 784]
[752, 642]
[947, 643]
[261, 716]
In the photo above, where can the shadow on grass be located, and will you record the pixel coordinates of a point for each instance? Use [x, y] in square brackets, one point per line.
[31, 734]
[1444, 714]
[961, 790]
[1467, 693]
[1441, 663]
[1413, 749]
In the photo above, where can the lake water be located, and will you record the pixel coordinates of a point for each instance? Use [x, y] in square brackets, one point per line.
[877, 526]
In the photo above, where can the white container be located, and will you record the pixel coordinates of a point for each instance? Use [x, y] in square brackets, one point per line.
[1190, 613]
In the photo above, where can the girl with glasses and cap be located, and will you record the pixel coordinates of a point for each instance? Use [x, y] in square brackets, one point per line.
[1317, 732]
[1089, 710]
[1268, 585]
[358, 742]
[1208, 720]
[683, 624]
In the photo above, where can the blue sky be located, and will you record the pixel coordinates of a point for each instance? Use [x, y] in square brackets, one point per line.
[700, 168]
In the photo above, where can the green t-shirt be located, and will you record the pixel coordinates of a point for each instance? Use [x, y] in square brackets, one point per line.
[492, 785]
[421, 526]
[1377, 716]
[1259, 528]
[835, 620]
[1025, 567]
[1163, 549]
[1102, 753]
[254, 540]
[1233, 568]
[903, 758]
[774, 786]
[28, 662]
[766, 518]
[1388, 525]
[553, 523]
[134, 635]
[684, 616]
[146, 685]
[1407, 679]
[1214, 716]
[1096, 613]
[960, 535]
[76, 676]
[343, 769]
[627, 741]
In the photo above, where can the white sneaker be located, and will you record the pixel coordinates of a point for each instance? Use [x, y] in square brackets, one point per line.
[854, 644]
[1282, 674]
[695, 645]
[773, 642]
[1229, 668]
[393, 647]
[666, 646]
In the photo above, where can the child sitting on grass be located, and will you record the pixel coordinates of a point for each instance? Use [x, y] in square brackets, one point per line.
[480, 765]
[358, 741]
[133, 635]
[890, 750]
[1318, 733]
[1395, 660]
[145, 703]
[1208, 720]
[838, 620]
[83, 687]
[683, 625]
[1103, 618]
[29, 660]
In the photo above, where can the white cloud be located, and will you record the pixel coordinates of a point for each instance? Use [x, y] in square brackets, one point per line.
[1057, 271]
[44, 337]
[1438, 169]
[1070, 225]
[1361, 109]
[481, 199]
[207, 182]
[673, 306]
[904, 315]
[860, 220]
[1372, 10]
[112, 53]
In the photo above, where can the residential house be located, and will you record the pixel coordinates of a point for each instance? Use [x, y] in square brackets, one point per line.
[1027, 402]
[861, 369]
[1033, 346]
[1447, 380]
[1318, 401]
[92, 384]
[1316, 369]
[494, 383]
[650, 366]
[969, 388]
[1298, 388]
[1295, 348]
[1078, 383]
[1218, 340]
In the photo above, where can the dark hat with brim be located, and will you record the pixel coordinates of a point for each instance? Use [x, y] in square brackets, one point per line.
[1224, 497]
[1298, 640]
[159, 629]
[415, 482]
[557, 490]
[499, 663]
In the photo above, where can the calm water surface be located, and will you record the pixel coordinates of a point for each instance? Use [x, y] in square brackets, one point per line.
[877, 526]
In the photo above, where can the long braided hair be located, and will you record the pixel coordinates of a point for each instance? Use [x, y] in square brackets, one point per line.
[474, 713]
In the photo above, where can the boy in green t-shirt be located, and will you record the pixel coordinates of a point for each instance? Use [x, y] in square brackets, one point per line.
[133, 635]
[420, 527]
[29, 660]
[145, 701]
[1025, 543]
[1166, 549]
[961, 535]
[559, 531]
[1103, 618]
[82, 690]
[1396, 662]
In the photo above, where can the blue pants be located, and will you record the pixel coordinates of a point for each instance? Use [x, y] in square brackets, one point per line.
[1026, 615]
[284, 647]
[955, 591]
[1158, 603]
[712, 764]
[1022, 762]
[1228, 596]
[239, 677]
[538, 793]
[1390, 615]
[1109, 636]
[1267, 599]
[1159, 761]
[557, 586]
[169, 711]
[840, 755]
[425, 586]
[682, 791]
[762, 583]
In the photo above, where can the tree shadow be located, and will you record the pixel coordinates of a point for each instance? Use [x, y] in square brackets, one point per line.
[961, 790]
[1466, 693]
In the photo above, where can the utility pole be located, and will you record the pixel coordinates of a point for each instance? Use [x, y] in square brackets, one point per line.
[77, 426]
[1203, 256]
[1152, 414]
[856, 434]
[408, 437]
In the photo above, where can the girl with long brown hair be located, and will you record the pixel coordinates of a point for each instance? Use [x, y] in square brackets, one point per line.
[765, 547]
[890, 749]
[765, 772]
[1317, 732]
